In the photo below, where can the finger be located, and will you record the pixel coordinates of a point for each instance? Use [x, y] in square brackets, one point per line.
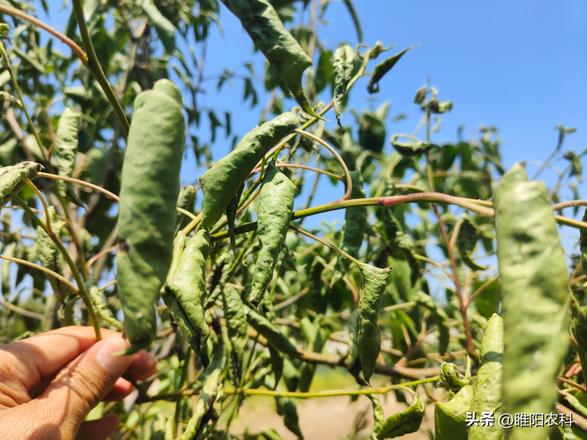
[119, 391]
[86, 381]
[99, 429]
[31, 360]
[143, 367]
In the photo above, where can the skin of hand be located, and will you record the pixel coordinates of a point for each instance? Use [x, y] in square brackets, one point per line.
[50, 382]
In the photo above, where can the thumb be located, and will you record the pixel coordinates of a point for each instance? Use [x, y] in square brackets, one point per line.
[85, 381]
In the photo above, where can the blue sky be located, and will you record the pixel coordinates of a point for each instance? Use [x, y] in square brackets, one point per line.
[518, 65]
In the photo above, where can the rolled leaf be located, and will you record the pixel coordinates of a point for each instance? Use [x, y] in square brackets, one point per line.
[368, 334]
[185, 289]
[12, 177]
[274, 210]
[221, 182]
[63, 156]
[148, 196]
[487, 395]
[270, 36]
[535, 288]
[450, 417]
[382, 69]
[344, 65]
[403, 422]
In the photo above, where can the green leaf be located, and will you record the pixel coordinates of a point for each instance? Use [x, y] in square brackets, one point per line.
[487, 393]
[165, 29]
[47, 251]
[286, 408]
[403, 422]
[148, 196]
[353, 232]
[355, 17]
[534, 280]
[449, 417]
[263, 25]
[372, 128]
[221, 182]
[236, 323]
[466, 241]
[274, 336]
[344, 64]
[382, 69]
[212, 386]
[451, 379]
[12, 177]
[368, 335]
[409, 145]
[274, 210]
[185, 200]
[64, 154]
[185, 289]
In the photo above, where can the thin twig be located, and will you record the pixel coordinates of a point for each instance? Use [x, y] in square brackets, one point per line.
[78, 51]
[96, 68]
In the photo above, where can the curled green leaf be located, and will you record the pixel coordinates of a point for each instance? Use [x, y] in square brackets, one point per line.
[368, 336]
[449, 417]
[466, 241]
[236, 323]
[487, 395]
[344, 64]
[355, 17]
[47, 251]
[403, 422]
[281, 49]
[185, 289]
[12, 177]
[221, 182]
[535, 287]
[287, 409]
[274, 210]
[382, 69]
[409, 145]
[101, 308]
[450, 378]
[269, 331]
[148, 196]
[165, 29]
[353, 232]
[66, 145]
[185, 200]
[211, 390]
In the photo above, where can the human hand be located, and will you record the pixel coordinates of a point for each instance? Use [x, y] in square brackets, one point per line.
[50, 382]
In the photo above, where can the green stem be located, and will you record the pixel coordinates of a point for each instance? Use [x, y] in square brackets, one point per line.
[40, 268]
[20, 97]
[325, 243]
[373, 201]
[81, 286]
[9, 10]
[330, 393]
[96, 68]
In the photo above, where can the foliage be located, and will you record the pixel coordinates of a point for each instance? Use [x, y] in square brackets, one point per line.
[232, 293]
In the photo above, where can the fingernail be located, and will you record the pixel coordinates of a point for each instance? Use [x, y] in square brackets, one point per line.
[109, 355]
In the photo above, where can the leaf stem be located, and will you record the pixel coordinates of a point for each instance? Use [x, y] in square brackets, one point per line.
[107, 193]
[347, 174]
[95, 67]
[78, 51]
[40, 268]
[325, 243]
[20, 97]
[74, 270]
[329, 393]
